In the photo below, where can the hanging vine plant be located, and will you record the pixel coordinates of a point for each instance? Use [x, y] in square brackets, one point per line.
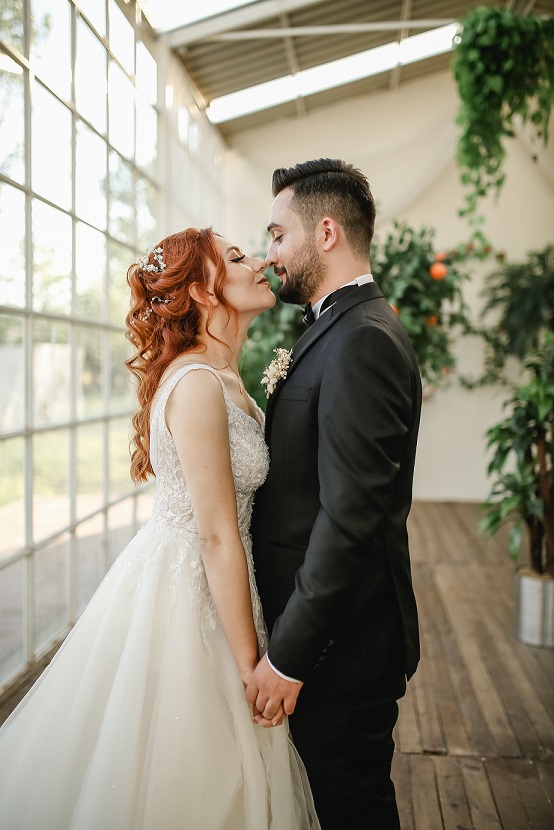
[504, 67]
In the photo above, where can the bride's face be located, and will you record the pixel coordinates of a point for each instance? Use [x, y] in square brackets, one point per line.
[245, 285]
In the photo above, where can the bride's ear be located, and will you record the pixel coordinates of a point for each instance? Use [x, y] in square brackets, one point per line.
[200, 295]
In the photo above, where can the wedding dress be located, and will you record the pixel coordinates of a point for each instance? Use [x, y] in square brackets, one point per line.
[141, 722]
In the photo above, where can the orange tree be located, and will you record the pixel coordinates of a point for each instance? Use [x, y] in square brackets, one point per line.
[424, 287]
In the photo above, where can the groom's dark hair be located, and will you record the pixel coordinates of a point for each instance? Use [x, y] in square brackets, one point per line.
[331, 187]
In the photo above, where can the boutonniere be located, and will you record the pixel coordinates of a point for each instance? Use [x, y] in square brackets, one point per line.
[276, 371]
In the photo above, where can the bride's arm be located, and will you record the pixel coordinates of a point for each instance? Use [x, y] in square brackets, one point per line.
[196, 415]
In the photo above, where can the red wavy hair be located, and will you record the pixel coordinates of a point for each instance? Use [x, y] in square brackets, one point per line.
[161, 331]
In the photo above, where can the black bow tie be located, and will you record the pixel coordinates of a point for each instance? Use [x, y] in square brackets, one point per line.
[329, 301]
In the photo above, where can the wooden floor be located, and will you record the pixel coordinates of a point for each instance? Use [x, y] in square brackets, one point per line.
[475, 736]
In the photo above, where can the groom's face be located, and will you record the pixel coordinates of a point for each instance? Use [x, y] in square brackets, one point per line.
[293, 253]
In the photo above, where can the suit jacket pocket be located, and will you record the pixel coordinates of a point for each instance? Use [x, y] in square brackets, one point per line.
[291, 392]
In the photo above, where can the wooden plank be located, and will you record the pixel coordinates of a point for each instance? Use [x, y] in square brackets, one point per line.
[543, 683]
[401, 778]
[407, 725]
[507, 796]
[453, 800]
[539, 809]
[485, 691]
[425, 799]
[481, 803]
[454, 738]
[519, 695]
[545, 770]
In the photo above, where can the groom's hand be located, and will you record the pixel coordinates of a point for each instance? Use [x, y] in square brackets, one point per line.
[271, 694]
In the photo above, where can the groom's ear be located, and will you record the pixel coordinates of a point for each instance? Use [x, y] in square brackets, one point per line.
[328, 230]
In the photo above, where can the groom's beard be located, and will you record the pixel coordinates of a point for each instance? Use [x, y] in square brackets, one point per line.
[303, 278]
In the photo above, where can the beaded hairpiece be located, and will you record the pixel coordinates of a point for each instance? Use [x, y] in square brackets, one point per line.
[146, 314]
[157, 266]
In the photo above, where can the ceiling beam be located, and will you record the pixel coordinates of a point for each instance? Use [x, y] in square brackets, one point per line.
[405, 14]
[236, 18]
[334, 29]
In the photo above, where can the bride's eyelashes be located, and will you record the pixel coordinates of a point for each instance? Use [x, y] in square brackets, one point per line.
[238, 258]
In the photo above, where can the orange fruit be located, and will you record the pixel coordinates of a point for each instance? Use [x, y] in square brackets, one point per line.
[440, 255]
[432, 320]
[438, 270]
[394, 308]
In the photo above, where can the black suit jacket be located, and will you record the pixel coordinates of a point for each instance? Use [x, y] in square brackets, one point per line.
[329, 526]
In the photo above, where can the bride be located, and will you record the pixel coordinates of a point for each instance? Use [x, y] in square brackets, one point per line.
[141, 721]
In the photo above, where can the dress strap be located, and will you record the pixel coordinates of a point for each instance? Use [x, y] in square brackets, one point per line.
[157, 417]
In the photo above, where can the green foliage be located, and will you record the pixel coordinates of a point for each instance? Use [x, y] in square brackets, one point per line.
[519, 308]
[280, 327]
[523, 442]
[504, 67]
[432, 310]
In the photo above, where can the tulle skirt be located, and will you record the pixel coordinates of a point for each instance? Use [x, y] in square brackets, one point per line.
[141, 723]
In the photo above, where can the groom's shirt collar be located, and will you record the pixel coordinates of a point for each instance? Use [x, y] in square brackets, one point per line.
[316, 308]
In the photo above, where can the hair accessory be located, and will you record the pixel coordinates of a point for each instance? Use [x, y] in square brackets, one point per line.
[146, 314]
[157, 266]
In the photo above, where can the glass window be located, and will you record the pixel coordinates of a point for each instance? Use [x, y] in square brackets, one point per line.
[122, 198]
[11, 23]
[12, 620]
[121, 97]
[12, 121]
[12, 361]
[90, 468]
[51, 591]
[119, 294]
[95, 10]
[90, 272]
[51, 44]
[51, 482]
[147, 137]
[145, 505]
[12, 261]
[147, 75]
[52, 259]
[119, 434]
[51, 372]
[91, 176]
[12, 491]
[146, 220]
[122, 38]
[91, 558]
[122, 396]
[89, 372]
[120, 528]
[91, 77]
[51, 143]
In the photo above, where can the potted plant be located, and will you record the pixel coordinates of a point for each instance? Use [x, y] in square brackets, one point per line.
[522, 493]
[518, 309]
[504, 68]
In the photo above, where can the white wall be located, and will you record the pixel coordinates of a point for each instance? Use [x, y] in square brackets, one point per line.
[405, 141]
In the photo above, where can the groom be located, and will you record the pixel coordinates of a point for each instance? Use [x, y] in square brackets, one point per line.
[329, 527]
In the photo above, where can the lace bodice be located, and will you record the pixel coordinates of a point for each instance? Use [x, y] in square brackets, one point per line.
[249, 459]
[173, 507]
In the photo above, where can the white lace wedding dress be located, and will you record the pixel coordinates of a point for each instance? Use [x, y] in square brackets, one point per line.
[141, 722]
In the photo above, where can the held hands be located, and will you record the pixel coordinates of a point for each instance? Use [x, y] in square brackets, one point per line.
[272, 697]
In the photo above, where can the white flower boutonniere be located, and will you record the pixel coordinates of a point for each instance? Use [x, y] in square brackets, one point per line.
[276, 371]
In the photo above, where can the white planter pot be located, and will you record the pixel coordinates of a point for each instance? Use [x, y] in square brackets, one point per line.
[535, 610]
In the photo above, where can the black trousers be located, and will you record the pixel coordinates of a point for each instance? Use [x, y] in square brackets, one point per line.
[345, 740]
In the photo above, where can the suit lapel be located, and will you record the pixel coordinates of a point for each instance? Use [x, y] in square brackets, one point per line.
[368, 291]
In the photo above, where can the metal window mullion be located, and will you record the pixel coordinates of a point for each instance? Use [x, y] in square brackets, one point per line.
[29, 580]
[72, 585]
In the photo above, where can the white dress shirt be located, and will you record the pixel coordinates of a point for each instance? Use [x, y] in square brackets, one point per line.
[316, 308]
